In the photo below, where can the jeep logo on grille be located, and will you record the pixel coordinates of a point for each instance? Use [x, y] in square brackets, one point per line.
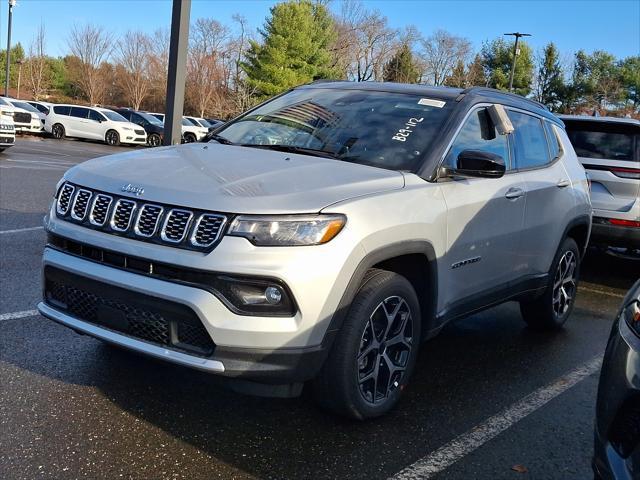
[137, 191]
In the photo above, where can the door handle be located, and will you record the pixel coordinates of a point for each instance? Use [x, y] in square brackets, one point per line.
[514, 193]
[563, 183]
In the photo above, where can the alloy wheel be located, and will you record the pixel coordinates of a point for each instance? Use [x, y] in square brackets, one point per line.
[385, 349]
[564, 284]
[112, 138]
[154, 140]
[57, 131]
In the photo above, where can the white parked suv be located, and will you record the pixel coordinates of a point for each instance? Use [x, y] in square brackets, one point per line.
[7, 132]
[321, 237]
[24, 121]
[37, 117]
[93, 123]
[190, 132]
[609, 149]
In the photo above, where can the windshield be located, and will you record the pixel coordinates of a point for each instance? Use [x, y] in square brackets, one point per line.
[116, 117]
[4, 102]
[26, 106]
[381, 129]
[150, 118]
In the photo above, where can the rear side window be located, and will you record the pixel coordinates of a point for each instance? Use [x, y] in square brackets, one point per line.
[79, 112]
[531, 143]
[93, 115]
[554, 142]
[61, 110]
[478, 133]
[602, 141]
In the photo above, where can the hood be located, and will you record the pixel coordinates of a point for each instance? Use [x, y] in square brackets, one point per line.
[234, 179]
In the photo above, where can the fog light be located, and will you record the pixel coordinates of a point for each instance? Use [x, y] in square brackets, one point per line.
[273, 295]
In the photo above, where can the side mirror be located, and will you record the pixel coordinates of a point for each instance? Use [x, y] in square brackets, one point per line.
[476, 163]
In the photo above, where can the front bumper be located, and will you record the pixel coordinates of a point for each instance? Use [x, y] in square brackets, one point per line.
[237, 353]
[618, 399]
[603, 233]
[133, 139]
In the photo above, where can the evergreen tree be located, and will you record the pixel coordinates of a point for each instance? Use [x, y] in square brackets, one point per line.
[401, 67]
[497, 59]
[294, 48]
[549, 81]
[630, 78]
[475, 73]
[458, 76]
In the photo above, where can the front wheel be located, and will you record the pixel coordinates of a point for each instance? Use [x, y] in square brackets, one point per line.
[189, 138]
[552, 309]
[112, 138]
[373, 356]
[154, 140]
[58, 131]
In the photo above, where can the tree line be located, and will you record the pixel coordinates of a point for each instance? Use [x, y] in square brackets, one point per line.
[231, 68]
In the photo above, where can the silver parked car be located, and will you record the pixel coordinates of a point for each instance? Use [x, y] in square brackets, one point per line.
[609, 149]
[322, 236]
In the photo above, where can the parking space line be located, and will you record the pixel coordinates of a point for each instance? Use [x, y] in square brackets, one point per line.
[19, 230]
[442, 458]
[14, 315]
[601, 292]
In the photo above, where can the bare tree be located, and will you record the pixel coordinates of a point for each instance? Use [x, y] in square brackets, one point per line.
[38, 73]
[206, 64]
[365, 42]
[92, 45]
[440, 53]
[158, 67]
[133, 54]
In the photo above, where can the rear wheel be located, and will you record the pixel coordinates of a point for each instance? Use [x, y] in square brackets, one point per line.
[552, 309]
[112, 138]
[154, 140]
[189, 138]
[58, 131]
[373, 357]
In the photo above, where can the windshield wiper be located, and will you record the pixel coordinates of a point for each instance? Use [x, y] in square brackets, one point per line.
[294, 149]
[219, 139]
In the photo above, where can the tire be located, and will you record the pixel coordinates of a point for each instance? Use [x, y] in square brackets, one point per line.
[362, 376]
[189, 138]
[112, 138]
[551, 310]
[154, 140]
[57, 131]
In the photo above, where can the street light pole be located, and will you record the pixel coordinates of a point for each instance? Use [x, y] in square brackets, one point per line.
[19, 62]
[6, 78]
[515, 55]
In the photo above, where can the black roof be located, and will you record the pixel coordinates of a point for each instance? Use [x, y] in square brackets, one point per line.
[476, 94]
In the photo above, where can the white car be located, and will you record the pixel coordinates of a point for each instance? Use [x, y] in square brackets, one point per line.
[23, 120]
[7, 132]
[43, 107]
[93, 123]
[31, 109]
[190, 132]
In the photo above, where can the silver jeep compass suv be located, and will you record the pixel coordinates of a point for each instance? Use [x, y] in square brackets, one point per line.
[321, 237]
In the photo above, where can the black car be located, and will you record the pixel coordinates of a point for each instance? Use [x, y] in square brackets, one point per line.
[153, 126]
[215, 123]
[617, 430]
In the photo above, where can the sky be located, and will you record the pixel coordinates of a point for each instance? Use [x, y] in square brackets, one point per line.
[612, 25]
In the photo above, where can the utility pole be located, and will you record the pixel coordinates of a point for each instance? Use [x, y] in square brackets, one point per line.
[6, 78]
[178, 47]
[515, 55]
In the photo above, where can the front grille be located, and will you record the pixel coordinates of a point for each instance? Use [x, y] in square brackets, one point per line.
[207, 229]
[100, 209]
[141, 316]
[122, 213]
[175, 225]
[64, 199]
[139, 132]
[148, 219]
[80, 204]
[22, 117]
[156, 223]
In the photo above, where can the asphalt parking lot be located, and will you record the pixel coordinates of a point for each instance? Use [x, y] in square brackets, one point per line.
[490, 399]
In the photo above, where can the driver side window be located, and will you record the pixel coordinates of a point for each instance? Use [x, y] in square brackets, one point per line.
[478, 133]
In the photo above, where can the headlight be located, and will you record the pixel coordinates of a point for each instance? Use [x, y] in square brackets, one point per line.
[632, 314]
[287, 230]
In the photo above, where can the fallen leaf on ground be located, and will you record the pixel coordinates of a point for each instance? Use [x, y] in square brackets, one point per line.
[519, 469]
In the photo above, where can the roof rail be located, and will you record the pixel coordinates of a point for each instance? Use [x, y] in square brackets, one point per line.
[501, 92]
